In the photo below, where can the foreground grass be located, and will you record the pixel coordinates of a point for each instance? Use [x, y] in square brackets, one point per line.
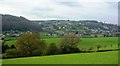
[110, 57]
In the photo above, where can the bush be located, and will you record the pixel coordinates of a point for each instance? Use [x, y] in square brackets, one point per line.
[37, 52]
[39, 47]
[98, 47]
[4, 48]
[95, 35]
[52, 49]
[29, 44]
[68, 49]
[90, 48]
[12, 47]
[4, 56]
[118, 44]
[69, 43]
[14, 52]
[11, 53]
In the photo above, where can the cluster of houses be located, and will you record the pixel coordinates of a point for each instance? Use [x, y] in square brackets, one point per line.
[12, 34]
[83, 34]
[17, 34]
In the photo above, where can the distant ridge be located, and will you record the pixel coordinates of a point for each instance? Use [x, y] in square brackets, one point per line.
[10, 22]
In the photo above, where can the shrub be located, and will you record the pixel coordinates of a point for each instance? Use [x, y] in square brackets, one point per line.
[39, 47]
[98, 46]
[12, 46]
[4, 56]
[52, 49]
[11, 53]
[90, 48]
[29, 43]
[74, 50]
[68, 49]
[69, 43]
[37, 52]
[14, 52]
[95, 35]
[118, 44]
[4, 48]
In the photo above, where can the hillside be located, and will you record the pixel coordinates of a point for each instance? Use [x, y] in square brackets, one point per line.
[83, 26]
[10, 22]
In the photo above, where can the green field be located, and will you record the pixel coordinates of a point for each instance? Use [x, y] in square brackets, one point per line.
[84, 43]
[110, 57]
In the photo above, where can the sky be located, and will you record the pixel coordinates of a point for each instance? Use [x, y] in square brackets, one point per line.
[101, 10]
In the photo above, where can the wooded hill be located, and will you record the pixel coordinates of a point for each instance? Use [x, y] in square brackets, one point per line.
[10, 22]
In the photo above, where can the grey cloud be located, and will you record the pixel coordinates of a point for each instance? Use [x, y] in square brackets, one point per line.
[113, 4]
[42, 9]
[70, 4]
[61, 9]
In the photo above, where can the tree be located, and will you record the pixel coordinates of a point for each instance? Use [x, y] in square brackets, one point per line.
[40, 46]
[69, 43]
[52, 49]
[28, 43]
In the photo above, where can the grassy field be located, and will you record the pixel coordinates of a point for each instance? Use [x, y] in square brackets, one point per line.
[110, 57]
[85, 42]
[107, 43]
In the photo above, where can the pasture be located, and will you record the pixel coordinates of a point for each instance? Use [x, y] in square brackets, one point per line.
[110, 57]
[105, 42]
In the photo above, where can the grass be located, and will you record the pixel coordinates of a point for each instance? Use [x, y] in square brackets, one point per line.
[85, 42]
[110, 57]
[88, 42]
[11, 42]
[107, 43]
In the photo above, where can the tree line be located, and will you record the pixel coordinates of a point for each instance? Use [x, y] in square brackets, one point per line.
[30, 44]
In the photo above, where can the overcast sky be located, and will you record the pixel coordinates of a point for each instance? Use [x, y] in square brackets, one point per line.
[101, 10]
